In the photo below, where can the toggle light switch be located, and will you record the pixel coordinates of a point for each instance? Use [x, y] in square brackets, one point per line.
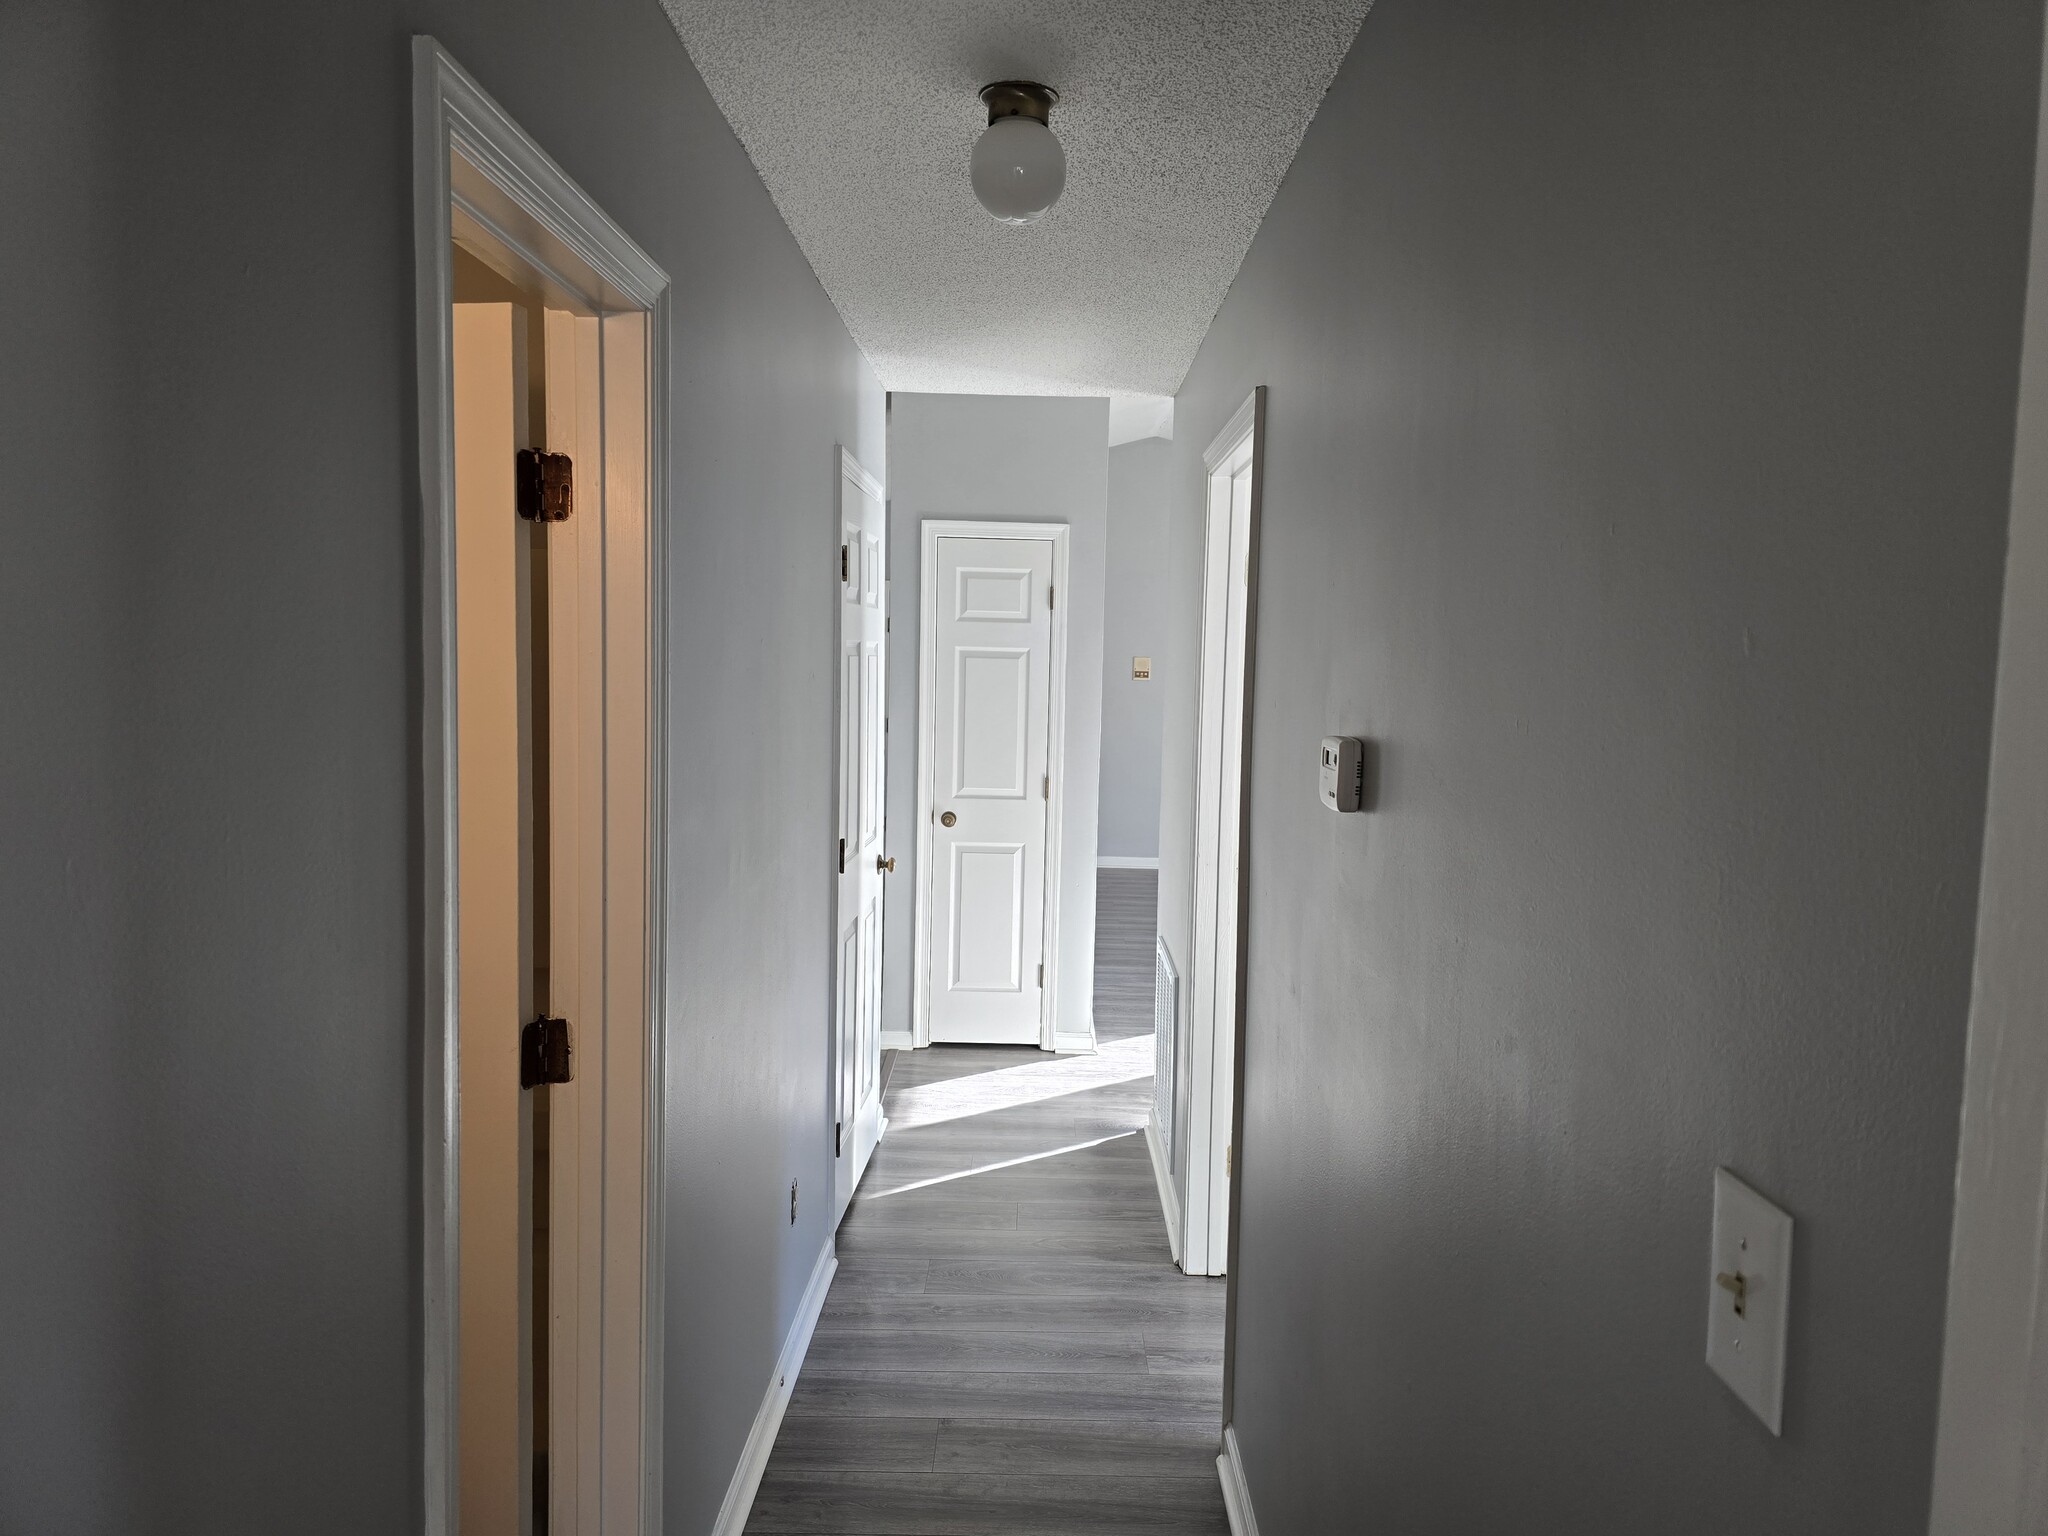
[1747, 1299]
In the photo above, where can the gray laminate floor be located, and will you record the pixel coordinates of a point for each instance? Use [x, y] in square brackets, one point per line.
[1008, 1349]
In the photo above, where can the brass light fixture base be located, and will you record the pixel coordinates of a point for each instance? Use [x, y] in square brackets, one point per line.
[1019, 98]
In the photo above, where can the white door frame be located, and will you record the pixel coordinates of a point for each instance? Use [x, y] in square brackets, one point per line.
[1216, 985]
[473, 163]
[1991, 1441]
[930, 532]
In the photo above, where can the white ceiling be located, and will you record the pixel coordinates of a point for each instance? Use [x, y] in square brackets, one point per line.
[1179, 118]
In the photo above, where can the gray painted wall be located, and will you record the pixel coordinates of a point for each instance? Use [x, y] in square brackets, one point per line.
[1991, 1456]
[1640, 444]
[1018, 459]
[209, 900]
[1134, 608]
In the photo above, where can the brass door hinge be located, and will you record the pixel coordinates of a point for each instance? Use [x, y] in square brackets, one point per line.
[1226, 1159]
[1048, 597]
[845, 563]
[544, 1052]
[545, 483]
[842, 855]
[1045, 788]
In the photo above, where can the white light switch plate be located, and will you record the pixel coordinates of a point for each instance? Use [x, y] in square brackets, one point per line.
[1753, 1239]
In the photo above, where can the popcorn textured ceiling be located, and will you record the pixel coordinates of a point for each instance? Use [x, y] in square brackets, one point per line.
[1179, 119]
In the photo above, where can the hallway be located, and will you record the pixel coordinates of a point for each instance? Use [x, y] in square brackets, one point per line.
[1008, 1348]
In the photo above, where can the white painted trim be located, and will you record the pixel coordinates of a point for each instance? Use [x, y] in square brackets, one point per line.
[1243, 421]
[852, 469]
[1991, 1440]
[453, 116]
[1215, 989]
[929, 534]
[898, 1040]
[1075, 1044]
[1237, 1494]
[1124, 861]
[746, 1477]
[1162, 1176]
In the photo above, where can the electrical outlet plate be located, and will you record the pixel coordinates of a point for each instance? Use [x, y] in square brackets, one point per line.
[1753, 1240]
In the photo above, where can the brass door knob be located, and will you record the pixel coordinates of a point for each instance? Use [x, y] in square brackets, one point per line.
[884, 866]
[947, 819]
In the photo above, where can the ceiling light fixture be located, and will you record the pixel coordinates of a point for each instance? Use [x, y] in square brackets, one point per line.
[1018, 168]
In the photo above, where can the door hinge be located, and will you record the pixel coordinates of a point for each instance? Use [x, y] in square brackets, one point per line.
[544, 1052]
[1048, 597]
[1041, 975]
[1226, 1159]
[837, 1127]
[845, 562]
[842, 855]
[545, 482]
[1045, 788]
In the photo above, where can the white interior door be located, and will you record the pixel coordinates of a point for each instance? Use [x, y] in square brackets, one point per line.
[990, 787]
[863, 856]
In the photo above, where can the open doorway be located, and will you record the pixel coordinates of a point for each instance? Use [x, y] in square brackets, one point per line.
[541, 331]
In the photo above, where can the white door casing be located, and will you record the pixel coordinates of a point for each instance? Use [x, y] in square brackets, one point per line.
[862, 671]
[989, 695]
[1230, 563]
[479, 180]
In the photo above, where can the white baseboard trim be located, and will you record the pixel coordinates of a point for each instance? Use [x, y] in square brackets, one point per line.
[1162, 1175]
[1083, 1044]
[746, 1477]
[897, 1040]
[1121, 861]
[1237, 1497]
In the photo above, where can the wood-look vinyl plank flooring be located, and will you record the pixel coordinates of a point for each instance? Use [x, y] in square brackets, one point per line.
[1016, 1243]
[1001, 1395]
[1110, 1310]
[1042, 1350]
[868, 1443]
[944, 1504]
[1126, 927]
[1076, 1447]
[1008, 1349]
[1058, 1277]
[881, 1274]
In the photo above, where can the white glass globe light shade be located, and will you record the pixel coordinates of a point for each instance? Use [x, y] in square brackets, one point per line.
[1018, 169]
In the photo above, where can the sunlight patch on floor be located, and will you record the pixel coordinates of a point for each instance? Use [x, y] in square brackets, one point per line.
[1008, 1162]
[1119, 1061]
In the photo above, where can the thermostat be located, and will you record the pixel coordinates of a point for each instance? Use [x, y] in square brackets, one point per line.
[1344, 773]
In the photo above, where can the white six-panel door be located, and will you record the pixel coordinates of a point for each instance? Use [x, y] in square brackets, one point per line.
[990, 786]
[863, 780]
